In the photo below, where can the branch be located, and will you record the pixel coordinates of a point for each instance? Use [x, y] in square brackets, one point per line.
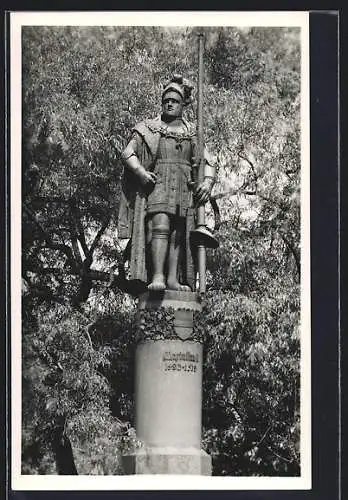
[295, 254]
[99, 235]
[74, 244]
[250, 163]
[93, 274]
[233, 191]
[44, 270]
[33, 217]
[75, 214]
[265, 434]
[89, 338]
[48, 240]
[217, 216]
[44, 293]
[279, 456]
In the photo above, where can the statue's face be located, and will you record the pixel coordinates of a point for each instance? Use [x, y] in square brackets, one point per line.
[172, 105]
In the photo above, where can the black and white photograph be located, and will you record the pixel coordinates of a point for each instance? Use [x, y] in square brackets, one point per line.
[160, 246]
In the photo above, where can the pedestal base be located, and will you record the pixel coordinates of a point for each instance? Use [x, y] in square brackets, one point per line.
[168, 461]
[168, 387]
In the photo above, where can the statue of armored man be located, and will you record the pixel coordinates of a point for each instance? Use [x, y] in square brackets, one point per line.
[160, 195]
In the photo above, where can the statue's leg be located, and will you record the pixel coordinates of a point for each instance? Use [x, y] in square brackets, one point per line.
[159, 248]
[176, 239]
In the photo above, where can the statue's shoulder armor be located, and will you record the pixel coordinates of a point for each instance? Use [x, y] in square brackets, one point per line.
[142, 127]
[147, 126]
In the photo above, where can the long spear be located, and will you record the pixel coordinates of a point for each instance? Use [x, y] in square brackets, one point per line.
[201, 252]
[202, 237]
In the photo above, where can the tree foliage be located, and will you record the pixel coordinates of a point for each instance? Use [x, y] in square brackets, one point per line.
[83, 90]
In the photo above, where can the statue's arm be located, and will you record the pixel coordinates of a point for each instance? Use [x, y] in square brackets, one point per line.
[131, 160]
[205, 187]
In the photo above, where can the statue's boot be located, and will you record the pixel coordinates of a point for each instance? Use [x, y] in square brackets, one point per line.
[159, 247]
[174, 251]
[173, 284]
[158, 283]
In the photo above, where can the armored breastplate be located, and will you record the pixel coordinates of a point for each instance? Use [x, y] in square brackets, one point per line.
[174, 148]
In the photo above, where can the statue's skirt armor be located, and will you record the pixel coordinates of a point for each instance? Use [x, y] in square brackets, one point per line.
[172, 193]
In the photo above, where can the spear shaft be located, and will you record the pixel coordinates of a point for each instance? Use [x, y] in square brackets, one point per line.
[201, 251]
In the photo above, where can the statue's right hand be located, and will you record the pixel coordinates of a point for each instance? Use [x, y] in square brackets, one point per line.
[147, 177]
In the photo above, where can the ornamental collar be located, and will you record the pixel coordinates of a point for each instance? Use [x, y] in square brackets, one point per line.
[155, 125]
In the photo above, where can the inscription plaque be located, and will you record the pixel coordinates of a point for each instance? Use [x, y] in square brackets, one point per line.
[180, 361]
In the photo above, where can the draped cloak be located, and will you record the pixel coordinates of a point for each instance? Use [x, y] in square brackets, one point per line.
[133, 223]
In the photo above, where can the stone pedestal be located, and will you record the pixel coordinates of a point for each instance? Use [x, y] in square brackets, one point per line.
[168, 388]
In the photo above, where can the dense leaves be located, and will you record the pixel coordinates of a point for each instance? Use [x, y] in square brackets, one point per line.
[83, 90]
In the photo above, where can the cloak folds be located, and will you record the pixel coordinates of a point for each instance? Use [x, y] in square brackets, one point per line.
[133, 223]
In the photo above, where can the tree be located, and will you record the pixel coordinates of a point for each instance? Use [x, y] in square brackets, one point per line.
[83, 89]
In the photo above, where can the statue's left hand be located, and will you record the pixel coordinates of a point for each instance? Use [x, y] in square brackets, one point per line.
[204, 190]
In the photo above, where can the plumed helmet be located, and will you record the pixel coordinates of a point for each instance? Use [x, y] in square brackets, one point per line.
[180, 85]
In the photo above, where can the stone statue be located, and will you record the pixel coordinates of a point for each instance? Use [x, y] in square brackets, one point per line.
[160, 193]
